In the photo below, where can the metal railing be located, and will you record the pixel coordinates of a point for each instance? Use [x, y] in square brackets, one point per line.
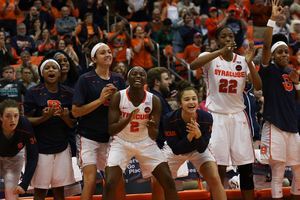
[158, 53]
[107, 18]
[183, 62]
[125, 20]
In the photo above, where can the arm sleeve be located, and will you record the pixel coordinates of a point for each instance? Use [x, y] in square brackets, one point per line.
[74, 24]
[177, 145]
[175, 25]
[31, 158]
[59, 29]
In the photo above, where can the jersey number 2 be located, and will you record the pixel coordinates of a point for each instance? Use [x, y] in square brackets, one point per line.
[134, 126]
[228, 86]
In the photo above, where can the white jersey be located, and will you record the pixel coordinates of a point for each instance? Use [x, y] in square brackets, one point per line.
[136, 130]
[225, 84]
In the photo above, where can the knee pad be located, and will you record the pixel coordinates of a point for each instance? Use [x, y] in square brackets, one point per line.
[278, 169]
[246, 177]
[295, 189]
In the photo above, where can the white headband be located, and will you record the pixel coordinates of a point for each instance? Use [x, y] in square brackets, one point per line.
[45, 62]
[133, 68]
[95, 48]
[277, 44]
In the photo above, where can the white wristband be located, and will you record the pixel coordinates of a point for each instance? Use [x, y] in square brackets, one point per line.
[271, 23]
[297, 87]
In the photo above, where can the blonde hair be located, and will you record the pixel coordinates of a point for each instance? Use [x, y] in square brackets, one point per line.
[295, 21]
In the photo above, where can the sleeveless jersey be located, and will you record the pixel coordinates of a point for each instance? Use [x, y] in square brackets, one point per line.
[136, 130]
[225, 84]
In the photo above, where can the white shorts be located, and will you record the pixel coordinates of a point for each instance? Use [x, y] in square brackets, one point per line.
[53, 170]
[90, 152]
[279, 145]
[146, 152]
[231, 139]
[11, 168]
[175, 161]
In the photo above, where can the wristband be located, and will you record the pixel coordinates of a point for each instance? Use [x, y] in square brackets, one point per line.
[271, 23]
[297, 87]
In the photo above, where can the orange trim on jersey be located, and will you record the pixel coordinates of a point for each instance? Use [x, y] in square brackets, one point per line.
[129, 98]
[235, 58]
[208, 105]
[112, 139]
[67, 90]
[196, 116]
[90, 76]
[270, 142]
[212, 154]
[221, 57]
[118, 76]
[23, 131]
[205, 122]
[175, 120]
[38, 88]
[80, 151]
[250, 134]
[207, 78]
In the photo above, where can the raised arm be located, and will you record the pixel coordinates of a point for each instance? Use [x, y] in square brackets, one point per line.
[253, 76]
[266, 53]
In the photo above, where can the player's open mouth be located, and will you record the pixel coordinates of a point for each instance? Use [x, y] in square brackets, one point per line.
[51, 76]
[191, 107]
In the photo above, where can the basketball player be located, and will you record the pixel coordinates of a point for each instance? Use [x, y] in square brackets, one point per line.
[16, 133]
[280, 144]
[47, 106]
[225, 73]
[134, 116]
[91, 100]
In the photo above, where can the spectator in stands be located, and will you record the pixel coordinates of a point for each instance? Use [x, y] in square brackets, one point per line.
[65, 24]
[44, 16]
[6, 56]
[26, 63]
[203, 29]
[118, 42]
[238, 26]
[213, 44]
[97, 7]
[286, 12]
[54, 13]
[88, 28]
[138, 10]
[84, 54]
[205, 48]
[188, 5]
[26, 77]
[142, 47]
[69, 49]
[295, 9]
[31, 18]
[281, 26]
[177, 40]
[213, 22]
[239, 6]
[164, 38]
[155, 25]
[60, 44]
[294, 36]
[192, 51]
[206, 5]
[261, 14]
[45, 44]
[120, 68]
[21, 41]
[169, 10]
[9, 10]
[72, 9]
[188, 30]
[35, 29]
[10, 88]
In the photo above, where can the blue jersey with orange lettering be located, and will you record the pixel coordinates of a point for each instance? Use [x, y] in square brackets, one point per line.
[94, 125]
[175, 131]
[52, 134]
[279, 97]
[23, 136]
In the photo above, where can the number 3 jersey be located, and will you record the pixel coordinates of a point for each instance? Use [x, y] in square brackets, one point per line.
[136, 130]
[225, 84]
[279, 98]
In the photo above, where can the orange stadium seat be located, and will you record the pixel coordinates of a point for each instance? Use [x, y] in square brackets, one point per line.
[266, 193]
[36, 60]
[14, 66]
[179, 66]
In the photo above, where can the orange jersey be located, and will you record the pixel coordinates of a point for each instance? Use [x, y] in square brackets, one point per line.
[239, 10]
[10, 12]
[190, 53]
[143, 58]
[120, 44]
